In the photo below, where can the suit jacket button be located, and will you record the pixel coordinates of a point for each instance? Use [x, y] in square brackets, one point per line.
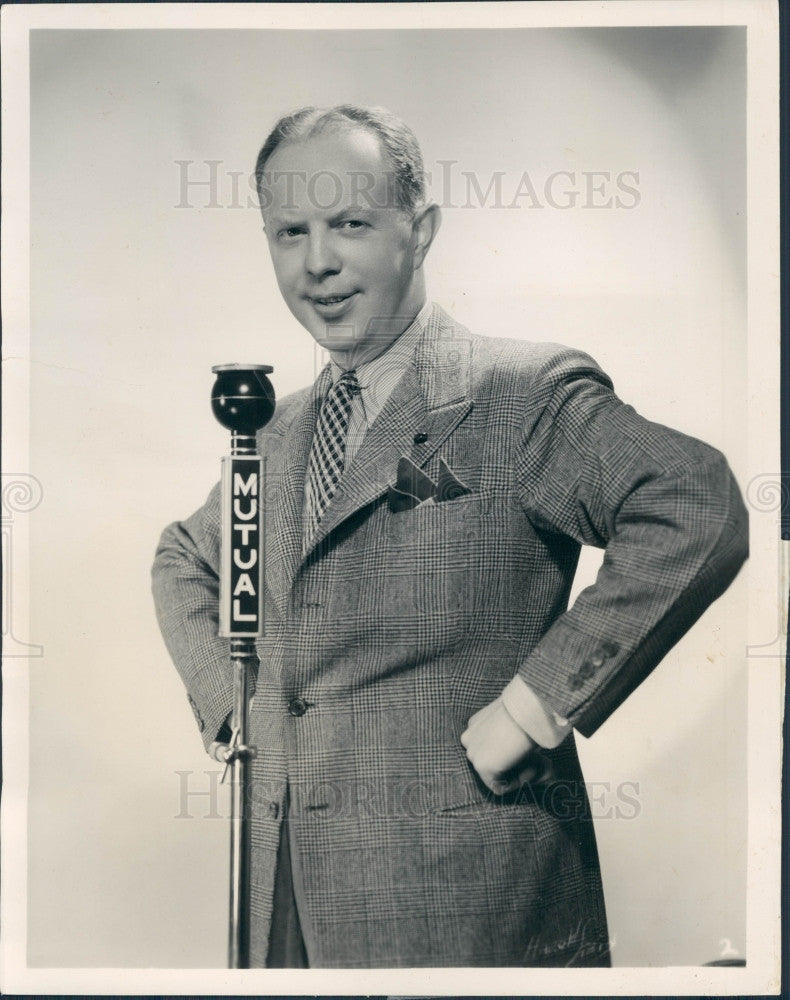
[610, 648]
[297, 706]
[586, 671]
[274, 809]
[420, 437]
[597, 658]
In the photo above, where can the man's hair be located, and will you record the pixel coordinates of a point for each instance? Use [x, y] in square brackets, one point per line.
[397, 140]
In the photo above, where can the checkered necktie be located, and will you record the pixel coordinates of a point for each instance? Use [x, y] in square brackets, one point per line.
[329, 444]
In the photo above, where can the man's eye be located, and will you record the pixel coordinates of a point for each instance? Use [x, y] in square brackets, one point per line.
[290, 233]
[353, 224]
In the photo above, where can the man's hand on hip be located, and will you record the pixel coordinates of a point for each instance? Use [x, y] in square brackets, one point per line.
[499, 750]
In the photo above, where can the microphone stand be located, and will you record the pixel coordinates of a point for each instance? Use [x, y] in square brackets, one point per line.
[242, 400]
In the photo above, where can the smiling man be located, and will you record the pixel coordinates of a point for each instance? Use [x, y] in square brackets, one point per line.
[347, 255]
[417, 794]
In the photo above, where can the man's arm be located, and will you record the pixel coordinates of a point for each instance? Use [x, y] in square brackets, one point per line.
[669, 514]
[185, 579]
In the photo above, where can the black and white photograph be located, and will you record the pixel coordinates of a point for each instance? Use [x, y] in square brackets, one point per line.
[394, 599]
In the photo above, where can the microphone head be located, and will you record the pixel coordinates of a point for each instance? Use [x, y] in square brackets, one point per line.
[242, 398]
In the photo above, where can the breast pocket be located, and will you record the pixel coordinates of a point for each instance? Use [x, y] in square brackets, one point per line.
[433, 557]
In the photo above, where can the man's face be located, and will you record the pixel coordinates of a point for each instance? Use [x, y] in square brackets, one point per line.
[348, 262]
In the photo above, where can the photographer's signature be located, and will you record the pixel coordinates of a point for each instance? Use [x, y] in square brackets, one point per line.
[576, 941]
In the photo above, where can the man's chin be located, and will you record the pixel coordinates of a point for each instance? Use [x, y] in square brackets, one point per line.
[339, 338]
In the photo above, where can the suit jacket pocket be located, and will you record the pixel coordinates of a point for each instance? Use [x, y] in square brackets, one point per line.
[434, 557]
[464, 795]
[443, 519]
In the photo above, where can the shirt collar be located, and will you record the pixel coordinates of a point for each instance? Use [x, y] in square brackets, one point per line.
[377, 378]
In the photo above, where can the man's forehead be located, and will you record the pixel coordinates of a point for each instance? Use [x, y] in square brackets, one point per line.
[338, 171]
[345, 148]
[327, 180]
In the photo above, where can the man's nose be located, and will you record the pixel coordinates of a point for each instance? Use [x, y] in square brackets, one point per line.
[322, 258]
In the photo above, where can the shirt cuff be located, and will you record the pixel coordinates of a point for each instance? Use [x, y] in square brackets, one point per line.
[545, 727]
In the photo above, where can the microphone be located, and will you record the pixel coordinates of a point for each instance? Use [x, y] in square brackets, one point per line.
[242, 400]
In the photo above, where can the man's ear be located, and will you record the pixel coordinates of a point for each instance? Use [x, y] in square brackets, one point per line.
[424, 227]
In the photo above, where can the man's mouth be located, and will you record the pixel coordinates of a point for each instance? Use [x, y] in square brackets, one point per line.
[330, 300]
[332, 307]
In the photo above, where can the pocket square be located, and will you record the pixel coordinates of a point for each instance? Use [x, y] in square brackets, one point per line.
[414, 488]
[399, 501]
[449, 487]
[413, 481]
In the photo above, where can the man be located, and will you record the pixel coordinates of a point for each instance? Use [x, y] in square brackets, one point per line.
[417, 794]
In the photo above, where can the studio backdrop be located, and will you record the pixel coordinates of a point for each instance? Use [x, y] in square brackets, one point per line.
[592, 184]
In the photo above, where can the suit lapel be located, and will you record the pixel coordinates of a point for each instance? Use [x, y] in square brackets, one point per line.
[287, 450]
[430, 400]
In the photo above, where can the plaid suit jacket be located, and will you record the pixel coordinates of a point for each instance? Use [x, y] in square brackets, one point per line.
[395, 627]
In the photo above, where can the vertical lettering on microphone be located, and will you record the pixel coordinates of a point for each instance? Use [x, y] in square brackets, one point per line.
[241, 586]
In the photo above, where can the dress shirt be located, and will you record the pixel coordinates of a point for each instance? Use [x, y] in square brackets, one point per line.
[377, 379]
